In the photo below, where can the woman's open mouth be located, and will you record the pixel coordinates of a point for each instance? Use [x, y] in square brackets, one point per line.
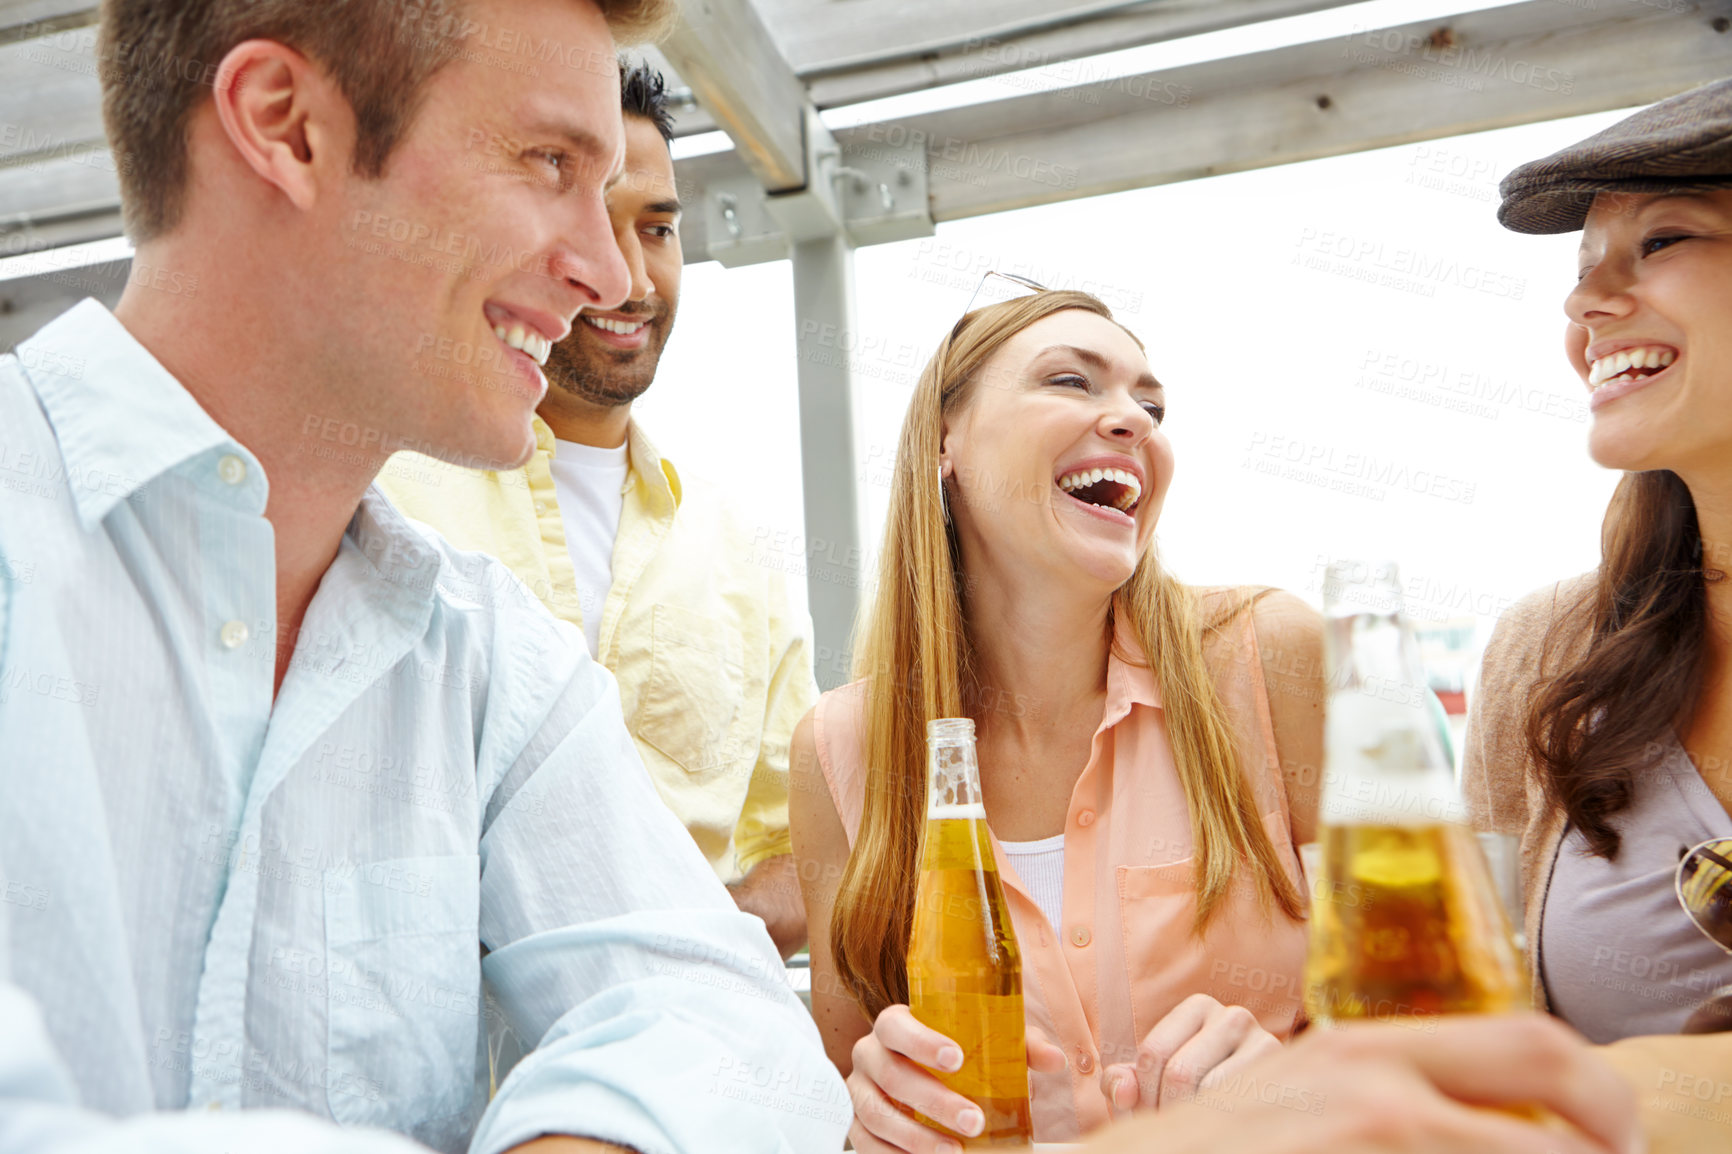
[1623, 372]
[1107, 489]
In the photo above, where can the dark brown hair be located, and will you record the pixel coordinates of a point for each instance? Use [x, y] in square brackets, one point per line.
[158, 59]
[1594, 723]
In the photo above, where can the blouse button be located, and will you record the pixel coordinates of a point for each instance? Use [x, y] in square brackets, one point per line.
[232, 469]
[1085, 1062]
[234, 634]
[1086, 818]
[1079, 937]
[541, 506]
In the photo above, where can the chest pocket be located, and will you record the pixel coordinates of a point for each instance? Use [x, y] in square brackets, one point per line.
[691, 708]
[402, 943]
[1243, 958]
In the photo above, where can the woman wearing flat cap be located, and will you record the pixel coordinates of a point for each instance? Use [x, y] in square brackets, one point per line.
[1602, 732]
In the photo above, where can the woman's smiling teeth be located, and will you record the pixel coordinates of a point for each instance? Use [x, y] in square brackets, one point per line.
[532, 343]
[1114, 488]
[608, 324]
[1643, 361]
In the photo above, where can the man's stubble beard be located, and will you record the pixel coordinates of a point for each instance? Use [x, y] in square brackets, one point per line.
[607, 377]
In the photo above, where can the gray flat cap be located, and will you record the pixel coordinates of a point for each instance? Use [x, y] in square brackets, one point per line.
[1680, 144]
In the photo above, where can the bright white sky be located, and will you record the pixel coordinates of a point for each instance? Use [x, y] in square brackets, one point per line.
[1269, 363]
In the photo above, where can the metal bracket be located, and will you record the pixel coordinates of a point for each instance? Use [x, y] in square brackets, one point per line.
[737, 227]
[875, 194]
[814, 211]
[884, 193]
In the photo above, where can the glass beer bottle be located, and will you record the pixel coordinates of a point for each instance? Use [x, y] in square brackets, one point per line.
[1405, 919]
[964, 968]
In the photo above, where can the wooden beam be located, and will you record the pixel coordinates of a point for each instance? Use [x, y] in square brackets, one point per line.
[869, 49]
[723, 51]
[1373, 89]
[29, 19]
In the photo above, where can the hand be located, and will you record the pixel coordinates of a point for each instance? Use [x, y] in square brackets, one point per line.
[771, 891]
[1399, 1089]
[887, 1083]
[1198, 1041]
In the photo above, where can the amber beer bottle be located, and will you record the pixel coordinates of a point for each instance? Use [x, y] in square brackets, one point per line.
[1405, 920]
[964, 968]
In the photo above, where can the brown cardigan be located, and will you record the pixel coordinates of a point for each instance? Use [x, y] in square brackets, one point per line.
[1498, 781]
[1503, 793]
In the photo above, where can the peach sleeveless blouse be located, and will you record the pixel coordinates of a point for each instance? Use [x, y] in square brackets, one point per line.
[1126, 953]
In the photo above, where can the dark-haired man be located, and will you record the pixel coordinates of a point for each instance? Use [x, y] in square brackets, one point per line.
[713, 671]
[284, 779]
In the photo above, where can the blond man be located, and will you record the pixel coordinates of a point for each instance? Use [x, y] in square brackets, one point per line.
[288, 781]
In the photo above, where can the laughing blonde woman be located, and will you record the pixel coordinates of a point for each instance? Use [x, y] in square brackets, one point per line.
[1148, 752]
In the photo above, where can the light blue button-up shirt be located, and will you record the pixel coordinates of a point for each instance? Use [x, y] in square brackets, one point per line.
[220, 903]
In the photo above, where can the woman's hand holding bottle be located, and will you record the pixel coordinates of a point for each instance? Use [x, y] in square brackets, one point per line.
[891, 1080]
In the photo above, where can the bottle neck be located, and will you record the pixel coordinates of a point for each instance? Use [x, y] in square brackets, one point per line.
[1385, 758]
[953, 780]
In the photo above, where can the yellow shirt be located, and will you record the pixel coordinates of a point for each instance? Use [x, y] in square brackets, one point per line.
[713, 671]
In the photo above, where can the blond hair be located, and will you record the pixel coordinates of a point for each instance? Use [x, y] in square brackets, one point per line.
[914, 653]
[158, 59]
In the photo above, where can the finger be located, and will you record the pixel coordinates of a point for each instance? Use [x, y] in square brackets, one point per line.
[881, 1127]
[1119, 1084]
[1489, 1132]
[900, 1080]
[1160, 1043]
[1170, 1035]
[1043, 1056]
[863, 1141]
[899, 1030]
[1259, 1045]
[1226, 1029]
[1521, 1059]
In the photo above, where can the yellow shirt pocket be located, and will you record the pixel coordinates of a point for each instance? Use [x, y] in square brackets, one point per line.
[690, 705]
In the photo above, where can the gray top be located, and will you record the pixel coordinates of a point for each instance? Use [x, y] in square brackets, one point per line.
[1619, 954]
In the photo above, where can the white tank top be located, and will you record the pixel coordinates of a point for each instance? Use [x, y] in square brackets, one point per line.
[1040, 865]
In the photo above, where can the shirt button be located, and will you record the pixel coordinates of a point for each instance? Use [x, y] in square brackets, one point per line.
[1080, 937]
[234, 634]
[1086, 817]
[541, 506]
[1085, 1062]
[232, 469]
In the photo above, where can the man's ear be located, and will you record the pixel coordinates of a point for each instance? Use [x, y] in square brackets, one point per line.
[282, 116]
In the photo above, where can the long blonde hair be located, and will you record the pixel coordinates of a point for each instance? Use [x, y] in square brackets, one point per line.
[914, 652]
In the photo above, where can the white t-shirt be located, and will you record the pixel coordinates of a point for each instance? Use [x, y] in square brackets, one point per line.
[589, 484]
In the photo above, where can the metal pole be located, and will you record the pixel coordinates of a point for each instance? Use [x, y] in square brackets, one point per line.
[836, 567]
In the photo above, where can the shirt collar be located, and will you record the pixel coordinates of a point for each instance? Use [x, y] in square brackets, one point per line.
[117, 413]
[1130, 679]
[545, 441]
[398, 551]
[664, 480]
